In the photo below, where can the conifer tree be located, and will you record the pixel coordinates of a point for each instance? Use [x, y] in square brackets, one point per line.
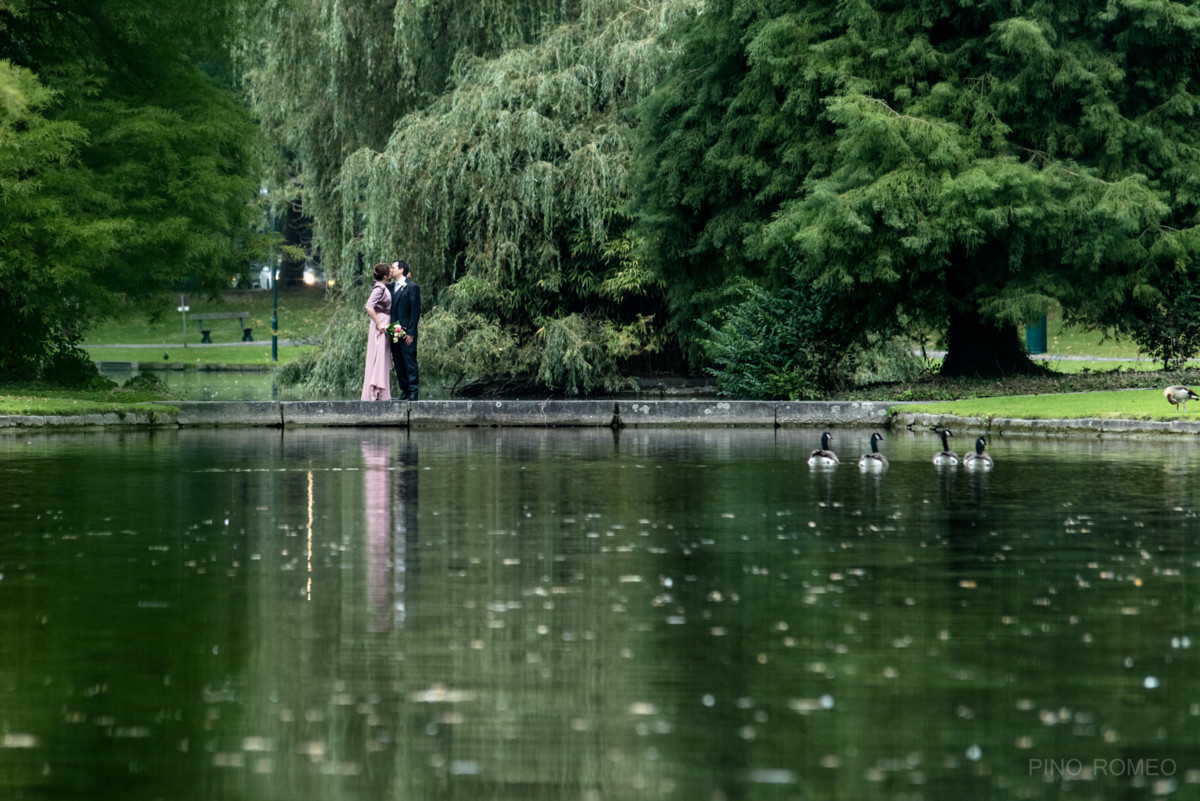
[957, 165]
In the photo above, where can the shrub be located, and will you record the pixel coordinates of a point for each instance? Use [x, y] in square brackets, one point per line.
[581, 355]
[70, 367]
[778, 344]
[457, 348]
[888, 360]
[146, 382]
[1169, 330]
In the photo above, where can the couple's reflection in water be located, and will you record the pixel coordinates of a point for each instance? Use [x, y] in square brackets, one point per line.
[390, 478]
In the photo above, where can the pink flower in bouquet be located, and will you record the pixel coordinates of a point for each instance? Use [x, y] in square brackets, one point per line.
[397, 331]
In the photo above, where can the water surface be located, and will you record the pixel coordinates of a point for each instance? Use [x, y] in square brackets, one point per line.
[579, 614]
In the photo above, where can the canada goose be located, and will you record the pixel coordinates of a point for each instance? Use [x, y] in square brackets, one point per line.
[978, 460]
[1179, 396]
[947, 456]
[873, 460]
[822, 456]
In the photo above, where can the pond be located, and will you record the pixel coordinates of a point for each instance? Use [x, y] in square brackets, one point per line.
[594, 614]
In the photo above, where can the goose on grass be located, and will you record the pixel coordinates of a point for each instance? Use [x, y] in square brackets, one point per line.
[1179, 396]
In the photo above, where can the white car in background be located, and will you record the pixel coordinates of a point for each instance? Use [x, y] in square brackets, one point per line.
[315, 276]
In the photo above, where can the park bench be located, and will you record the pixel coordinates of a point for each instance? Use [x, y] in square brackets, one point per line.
[206, 327]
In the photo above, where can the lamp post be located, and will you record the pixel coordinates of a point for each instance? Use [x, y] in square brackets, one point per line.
[183, 309]
[275, 318]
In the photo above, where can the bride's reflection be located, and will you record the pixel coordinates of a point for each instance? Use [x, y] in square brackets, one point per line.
[391, 514]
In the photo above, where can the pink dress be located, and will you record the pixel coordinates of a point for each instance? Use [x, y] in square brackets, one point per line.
[377, 383]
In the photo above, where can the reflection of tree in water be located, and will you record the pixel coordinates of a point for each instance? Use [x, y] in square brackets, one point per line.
[404, 537]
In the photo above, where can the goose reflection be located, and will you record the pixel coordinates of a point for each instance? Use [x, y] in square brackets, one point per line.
[823, 489]
[391, 517]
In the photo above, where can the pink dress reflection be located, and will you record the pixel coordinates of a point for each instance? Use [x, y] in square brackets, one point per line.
[377, 491]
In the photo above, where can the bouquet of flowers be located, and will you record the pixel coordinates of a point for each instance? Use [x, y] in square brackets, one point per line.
[396, 331]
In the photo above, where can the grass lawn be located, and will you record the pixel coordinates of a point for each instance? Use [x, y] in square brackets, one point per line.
[303, 314]
[1064, 366]
[48, 401]
[64, 407]
[1064, 341]
[1131, 404]
[1070, 344]
[258, 353]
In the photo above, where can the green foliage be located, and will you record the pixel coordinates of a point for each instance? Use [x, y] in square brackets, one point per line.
[329, 79]
[147, 383]
[35, 261]
[70, 367]
[1168, 330]
[467, 346]
[781, 344]
[124, 167]
[12, 98]
[505, 191]
[575, 354]
[98, 397]
[345, 336]
[927, 161]
[582, 354]
[887, 360]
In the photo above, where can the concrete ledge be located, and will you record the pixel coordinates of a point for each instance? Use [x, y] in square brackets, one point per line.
[111, 420]
[809, 413]
[345, 413]
[228, 413]
[584, 413]
[696, 413]
[1090, 426]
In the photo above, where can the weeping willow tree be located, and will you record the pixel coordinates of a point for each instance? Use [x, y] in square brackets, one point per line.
[505, 190]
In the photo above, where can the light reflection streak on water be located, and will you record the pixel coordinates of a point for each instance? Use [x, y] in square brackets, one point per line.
[309, 533]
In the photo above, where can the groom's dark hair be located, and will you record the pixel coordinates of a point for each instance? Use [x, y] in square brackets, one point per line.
[403, 265]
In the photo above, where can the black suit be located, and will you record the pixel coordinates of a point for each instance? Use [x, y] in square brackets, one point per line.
[406, 310]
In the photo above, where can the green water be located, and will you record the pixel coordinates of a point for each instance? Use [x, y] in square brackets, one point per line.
[578, 614]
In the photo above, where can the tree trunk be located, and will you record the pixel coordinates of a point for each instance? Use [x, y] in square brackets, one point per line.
[981, 348]
[297, 231]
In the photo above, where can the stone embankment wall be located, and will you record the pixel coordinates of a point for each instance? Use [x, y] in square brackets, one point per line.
[1009, 425]
[496, 413]
[581, 413]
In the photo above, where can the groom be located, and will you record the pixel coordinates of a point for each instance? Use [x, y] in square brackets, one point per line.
[406, 310]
